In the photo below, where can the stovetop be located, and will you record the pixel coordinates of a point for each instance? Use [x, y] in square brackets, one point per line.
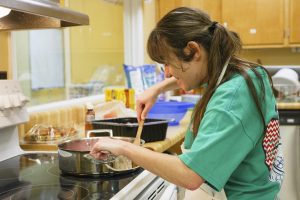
[37, 176]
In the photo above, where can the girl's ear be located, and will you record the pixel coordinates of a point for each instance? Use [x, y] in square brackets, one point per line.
[193, 47]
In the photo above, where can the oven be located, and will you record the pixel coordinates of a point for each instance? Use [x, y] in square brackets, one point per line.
[36, 175]
[290, 134]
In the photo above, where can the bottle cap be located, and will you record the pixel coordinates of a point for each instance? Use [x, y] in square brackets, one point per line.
[89, 106]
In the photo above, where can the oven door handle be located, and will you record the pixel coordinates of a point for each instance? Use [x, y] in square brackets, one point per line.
[170, 193]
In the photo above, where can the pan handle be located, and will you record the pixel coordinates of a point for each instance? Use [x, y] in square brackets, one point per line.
[122, 164]
[109, 131]
[109, 159]
[121, 170]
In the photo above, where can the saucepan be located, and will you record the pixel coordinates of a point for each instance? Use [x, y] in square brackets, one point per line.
[74, 157]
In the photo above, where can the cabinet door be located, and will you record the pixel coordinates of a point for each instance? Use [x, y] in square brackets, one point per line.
[164, 6]
[257, 22]
[213, 8]
[4, 49]
[294, 21]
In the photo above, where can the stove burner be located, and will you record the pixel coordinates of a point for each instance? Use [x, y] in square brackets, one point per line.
[32, 192]
[37, 176]
[14, 173]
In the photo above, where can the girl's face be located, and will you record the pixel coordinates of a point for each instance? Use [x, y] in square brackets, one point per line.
[192, 74]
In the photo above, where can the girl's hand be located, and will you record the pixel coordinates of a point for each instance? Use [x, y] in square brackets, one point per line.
[145, 101]
[105, 145]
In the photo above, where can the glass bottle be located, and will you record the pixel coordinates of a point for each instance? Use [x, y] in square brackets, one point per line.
[89, 117]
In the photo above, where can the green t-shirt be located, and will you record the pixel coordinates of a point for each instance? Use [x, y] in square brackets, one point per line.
[228, 151]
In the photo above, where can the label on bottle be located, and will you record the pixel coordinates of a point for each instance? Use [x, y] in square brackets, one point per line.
[89, 118]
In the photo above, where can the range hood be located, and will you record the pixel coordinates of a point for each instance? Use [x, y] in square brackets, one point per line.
[39, 14]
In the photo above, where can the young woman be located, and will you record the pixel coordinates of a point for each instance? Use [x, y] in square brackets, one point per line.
[233, 140]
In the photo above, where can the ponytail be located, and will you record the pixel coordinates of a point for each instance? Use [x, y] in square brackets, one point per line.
[223, 46]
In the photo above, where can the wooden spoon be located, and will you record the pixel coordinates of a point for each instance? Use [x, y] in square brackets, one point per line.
[137, 139]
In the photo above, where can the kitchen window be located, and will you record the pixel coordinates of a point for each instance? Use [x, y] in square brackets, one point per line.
[58, 64]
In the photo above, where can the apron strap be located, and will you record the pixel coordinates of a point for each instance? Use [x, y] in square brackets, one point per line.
[223, 71]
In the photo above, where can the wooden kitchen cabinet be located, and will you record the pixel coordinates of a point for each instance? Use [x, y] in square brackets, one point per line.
[257, 22]
[212, 7]
[294, 16]
[5, 51]
[260, 23]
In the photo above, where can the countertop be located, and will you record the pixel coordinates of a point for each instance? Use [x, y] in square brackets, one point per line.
[289, 106]
[174, 135]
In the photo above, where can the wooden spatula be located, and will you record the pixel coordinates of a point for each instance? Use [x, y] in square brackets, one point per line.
[137, 139]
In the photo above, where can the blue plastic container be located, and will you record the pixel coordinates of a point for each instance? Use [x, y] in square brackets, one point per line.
[172, 111]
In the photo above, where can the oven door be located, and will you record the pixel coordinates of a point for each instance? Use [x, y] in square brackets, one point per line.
[170, 192]
[159, 189]
[290, 134]
[290, 188]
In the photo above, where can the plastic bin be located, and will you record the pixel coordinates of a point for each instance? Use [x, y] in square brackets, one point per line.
[193, 98]
[172, 111]
[153, 130]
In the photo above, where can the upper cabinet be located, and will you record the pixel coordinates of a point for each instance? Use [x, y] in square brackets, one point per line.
[260, 23]
[294, 16]
[213, 7]
[257, 22]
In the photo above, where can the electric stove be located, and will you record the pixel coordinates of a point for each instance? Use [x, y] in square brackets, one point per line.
[37, 176]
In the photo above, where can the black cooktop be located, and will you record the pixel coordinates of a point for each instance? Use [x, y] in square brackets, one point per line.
[37, 176]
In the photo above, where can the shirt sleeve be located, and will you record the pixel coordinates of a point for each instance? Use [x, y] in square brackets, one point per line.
[219, 147]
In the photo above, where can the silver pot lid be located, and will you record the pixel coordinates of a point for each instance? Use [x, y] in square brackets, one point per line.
[38, 14]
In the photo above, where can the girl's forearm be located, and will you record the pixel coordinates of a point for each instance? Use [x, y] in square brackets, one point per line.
[169, 167]
[166, 85]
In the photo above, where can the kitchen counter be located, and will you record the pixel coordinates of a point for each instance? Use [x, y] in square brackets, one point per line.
[289, 106]
[174, 137]
[72, 111]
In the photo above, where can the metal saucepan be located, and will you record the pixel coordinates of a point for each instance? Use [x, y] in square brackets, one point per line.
[74, 157]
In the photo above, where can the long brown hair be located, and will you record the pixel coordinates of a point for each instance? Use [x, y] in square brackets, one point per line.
[181, 25]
